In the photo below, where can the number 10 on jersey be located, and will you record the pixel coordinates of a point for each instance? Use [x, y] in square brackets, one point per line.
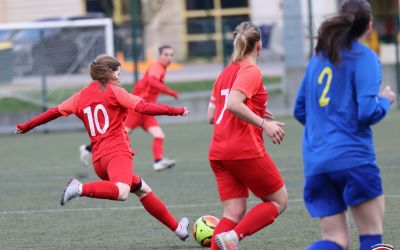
[94, 120]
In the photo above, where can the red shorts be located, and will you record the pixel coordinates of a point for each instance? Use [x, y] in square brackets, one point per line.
[135, 119]
[235, 177]
[116, 168]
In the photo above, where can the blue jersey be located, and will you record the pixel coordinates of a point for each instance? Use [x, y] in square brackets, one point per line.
[337, 104]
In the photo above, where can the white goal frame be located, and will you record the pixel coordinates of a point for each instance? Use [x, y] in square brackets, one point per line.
[98, 22]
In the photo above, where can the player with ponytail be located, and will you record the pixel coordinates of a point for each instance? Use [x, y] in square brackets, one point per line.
[337, 103]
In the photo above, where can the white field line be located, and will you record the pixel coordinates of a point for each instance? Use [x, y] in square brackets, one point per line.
[94, 209]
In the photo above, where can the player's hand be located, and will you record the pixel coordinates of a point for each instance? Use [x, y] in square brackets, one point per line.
[387, 92]
[185, 112]
[274, 131]
[268, 115]
[19, 129]
[176, 95]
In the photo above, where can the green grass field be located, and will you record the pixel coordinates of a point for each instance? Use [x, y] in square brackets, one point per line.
[35, 167]
[56, 96]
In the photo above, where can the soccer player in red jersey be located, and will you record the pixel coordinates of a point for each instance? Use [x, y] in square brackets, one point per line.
[149, 87]
[237, 154]
[102, 106]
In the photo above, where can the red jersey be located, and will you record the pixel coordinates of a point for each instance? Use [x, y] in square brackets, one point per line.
[233, 138]
[148, 86]
[103, 113]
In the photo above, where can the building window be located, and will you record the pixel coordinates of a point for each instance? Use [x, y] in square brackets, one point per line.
[202, 49]
[200, 25]
[234, 3]
[199, 5]
[230, 22]
[209, 23]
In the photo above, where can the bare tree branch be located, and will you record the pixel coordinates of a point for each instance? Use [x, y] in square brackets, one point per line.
[150, 8]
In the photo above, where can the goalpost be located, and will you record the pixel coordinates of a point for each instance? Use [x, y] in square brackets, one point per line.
[44, 62]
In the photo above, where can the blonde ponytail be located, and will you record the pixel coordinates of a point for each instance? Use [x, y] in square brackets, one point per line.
[246, 36]
[240, 45]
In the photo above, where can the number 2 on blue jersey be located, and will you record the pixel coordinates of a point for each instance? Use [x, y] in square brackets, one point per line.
[323, 100]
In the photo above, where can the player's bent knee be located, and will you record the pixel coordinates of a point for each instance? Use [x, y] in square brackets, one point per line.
[235, 215]
[124, 190]
[235, 211]
[156, 132]
[144, 190]
[279, 199]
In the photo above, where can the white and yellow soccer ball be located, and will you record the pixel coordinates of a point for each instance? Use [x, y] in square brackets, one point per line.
[203, 229]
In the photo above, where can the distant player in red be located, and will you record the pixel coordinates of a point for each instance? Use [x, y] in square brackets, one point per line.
[149, 88]
[102, 106]
[237, 154]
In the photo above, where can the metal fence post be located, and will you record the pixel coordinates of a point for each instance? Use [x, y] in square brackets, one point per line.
[396, 43]
[135, 22]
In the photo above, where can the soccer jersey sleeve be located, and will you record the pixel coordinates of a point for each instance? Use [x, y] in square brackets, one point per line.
[155, 83]
[368, 76]
[156, 70]
[49, 115]
[69, 106]
[248, 80]
[125, 99]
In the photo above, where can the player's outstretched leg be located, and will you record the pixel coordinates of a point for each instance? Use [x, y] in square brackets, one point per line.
[156, 208]
[71, 191]
[96, 189]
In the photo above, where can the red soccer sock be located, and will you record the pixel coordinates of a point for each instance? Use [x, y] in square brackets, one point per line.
[256, 219]
[158, 210]
[224, 225]
[158, 148]
[100, 190]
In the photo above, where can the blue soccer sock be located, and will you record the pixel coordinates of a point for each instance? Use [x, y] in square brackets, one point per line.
[367, 241]
[324, 245]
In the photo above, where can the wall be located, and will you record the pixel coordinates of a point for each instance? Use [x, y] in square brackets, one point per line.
[24, 10]
[166, 27]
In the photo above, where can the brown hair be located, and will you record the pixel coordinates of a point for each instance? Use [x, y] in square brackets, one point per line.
[246, 36]
[102, 67]
[162, 48]
[338, 31]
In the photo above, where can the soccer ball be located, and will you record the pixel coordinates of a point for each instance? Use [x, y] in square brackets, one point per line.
[203, 229]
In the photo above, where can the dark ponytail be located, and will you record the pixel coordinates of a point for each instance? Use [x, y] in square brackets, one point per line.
[338, 32]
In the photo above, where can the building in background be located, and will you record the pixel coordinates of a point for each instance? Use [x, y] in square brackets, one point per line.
[26, 10]
[202, 29]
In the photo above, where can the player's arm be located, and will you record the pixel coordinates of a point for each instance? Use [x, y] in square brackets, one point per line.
[45, 117]
[143, 107]
[155, 83]
[65, 108]
[237, 106]
[211, 109]
[150, 108]
[299, 111]
[371, 107]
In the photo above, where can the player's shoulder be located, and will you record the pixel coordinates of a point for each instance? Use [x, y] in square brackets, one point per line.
[156, 66]
[116, 89]
[247, 67]
[249, 70]
[362, 54]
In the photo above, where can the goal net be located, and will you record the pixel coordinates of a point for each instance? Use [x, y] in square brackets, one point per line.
[44, 62]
